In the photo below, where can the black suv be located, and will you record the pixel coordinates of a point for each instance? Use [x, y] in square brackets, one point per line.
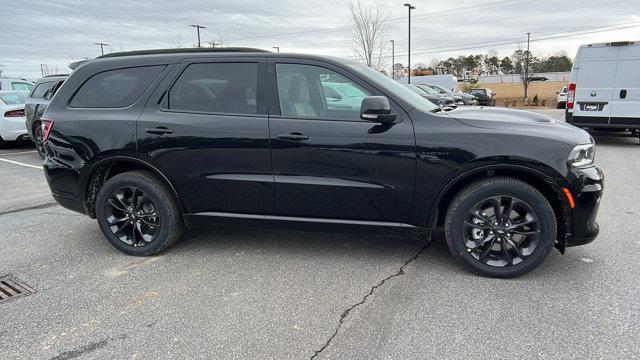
[37, 103]
[149, 141]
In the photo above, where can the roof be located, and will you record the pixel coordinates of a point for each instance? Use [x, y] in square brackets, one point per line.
[182, 51]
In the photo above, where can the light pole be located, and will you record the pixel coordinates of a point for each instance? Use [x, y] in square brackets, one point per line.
[277, 48]
[526, 70]
[198, 27]
[393, 59]
[410, 7]
[102, 45]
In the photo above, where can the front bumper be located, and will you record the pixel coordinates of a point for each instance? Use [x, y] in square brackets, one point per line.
[586, 186]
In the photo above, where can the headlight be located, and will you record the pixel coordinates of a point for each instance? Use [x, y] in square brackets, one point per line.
[582, 155]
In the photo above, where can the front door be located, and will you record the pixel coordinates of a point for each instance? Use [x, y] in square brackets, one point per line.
[206, 129]
[625, 106]
[327, 162]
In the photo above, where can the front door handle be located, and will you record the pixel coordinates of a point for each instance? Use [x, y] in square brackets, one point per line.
[161, 130]
[296, 136]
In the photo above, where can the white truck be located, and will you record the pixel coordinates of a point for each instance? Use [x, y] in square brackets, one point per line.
[604, 88]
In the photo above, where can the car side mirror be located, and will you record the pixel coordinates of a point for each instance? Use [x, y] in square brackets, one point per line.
[376, 109]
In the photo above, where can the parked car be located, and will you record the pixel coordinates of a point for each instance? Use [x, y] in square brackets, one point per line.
[562, 98]
[15, 85]
[12, 116]
[604, 89]
[467, 99]
[131, 140]
[437, 99]
[457, 99]
[485, 96]
[447, 81]
[37, 103]
[342, 95]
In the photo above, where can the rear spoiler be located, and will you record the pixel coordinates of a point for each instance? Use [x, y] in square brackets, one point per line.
[77, 64]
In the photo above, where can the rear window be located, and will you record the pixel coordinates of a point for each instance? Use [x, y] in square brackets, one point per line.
[13, 98]
[115, 88]
[217, 88]
[41, 89]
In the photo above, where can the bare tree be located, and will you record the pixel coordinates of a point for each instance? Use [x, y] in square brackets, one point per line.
[368, 33]
[176, 43]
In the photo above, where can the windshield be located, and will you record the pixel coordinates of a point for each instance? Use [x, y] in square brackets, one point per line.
[477, 92]
[441, 89]
[428, 89]
[14, 98]
[395, 88]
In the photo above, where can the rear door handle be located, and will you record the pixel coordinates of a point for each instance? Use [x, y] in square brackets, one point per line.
[161, 130]
[296, 136]
[623, 94]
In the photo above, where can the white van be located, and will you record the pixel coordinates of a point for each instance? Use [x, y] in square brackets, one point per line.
[604, 89]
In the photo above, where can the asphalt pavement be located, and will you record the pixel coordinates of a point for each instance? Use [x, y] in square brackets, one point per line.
[232, 292]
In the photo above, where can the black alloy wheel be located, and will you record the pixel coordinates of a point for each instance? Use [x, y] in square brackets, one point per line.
[500, 227]
[138, 213]
[501, 231]
[37, 140]
[132, 216]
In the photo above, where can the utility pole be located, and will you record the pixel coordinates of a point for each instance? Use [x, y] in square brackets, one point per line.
[526, 70]
[410, 7]
[393, 59]
[276, 47]
[102, 45]
[198, 27]
[213, 43]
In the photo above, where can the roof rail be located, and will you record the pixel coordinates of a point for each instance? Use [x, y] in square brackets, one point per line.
[180, 51]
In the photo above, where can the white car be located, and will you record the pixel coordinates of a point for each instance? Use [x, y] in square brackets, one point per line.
[604, 90]
[562, 98]
[12, 116]
[15, 85]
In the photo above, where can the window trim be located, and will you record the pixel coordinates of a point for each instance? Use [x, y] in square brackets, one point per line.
[75, 93]
[274, 101]
[261, 96]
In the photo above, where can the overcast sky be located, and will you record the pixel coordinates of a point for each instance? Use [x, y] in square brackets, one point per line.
[56, 32]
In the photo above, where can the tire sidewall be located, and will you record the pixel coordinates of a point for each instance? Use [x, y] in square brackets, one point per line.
[124, 180]
[538, 203]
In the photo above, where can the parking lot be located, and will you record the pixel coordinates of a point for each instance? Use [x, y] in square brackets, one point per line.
[238, 292]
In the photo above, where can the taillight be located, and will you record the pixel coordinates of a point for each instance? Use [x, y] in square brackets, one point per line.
[46, 125]
[571, 95]
[14, 113]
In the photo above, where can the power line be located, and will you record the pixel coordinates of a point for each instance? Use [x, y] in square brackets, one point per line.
[543, 37]
[430, 15]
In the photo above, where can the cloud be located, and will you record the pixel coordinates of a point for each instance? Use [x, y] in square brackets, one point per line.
[56, 32]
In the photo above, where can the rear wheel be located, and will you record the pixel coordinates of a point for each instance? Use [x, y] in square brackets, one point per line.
[138, 214]
[500, 227]
[37, 140]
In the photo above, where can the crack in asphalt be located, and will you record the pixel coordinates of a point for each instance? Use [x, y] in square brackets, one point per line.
[36, 207]
[345, 313]
[87, 348]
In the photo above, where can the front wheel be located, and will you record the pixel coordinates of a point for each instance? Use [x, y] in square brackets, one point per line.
[500, 227]
[138, 213]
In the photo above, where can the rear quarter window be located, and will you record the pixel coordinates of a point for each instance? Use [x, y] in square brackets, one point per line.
[41, 89]
[115, 88]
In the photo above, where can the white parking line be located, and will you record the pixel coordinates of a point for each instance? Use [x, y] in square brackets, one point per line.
[19, 152]
[21, 164]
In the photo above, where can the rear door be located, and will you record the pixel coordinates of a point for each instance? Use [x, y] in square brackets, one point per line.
[206, 128]
[625, 105]
[327, 162]
[36, 103]
[595, 85]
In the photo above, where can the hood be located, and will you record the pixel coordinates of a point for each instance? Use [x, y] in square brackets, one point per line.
[520, 121]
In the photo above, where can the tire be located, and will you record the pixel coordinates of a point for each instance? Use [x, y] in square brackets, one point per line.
[37, 140]
[468, 227]
[155, 211]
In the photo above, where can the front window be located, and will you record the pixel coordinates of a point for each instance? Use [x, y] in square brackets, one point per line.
[21, 86]
[307, 91]
[394, 87]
